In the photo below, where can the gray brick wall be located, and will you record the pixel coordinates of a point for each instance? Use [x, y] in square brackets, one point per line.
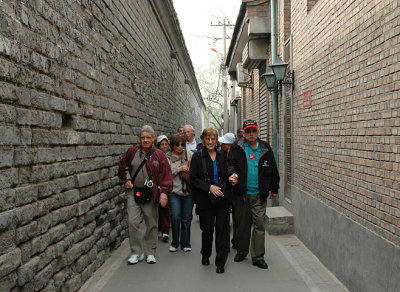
[78, 79]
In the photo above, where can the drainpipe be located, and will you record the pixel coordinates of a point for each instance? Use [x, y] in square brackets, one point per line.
[225, 84]
[274, 52]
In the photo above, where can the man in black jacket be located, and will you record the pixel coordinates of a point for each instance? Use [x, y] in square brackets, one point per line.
[253, 173]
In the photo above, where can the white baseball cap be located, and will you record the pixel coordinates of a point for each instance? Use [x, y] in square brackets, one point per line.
[228, 138]
[161, 137]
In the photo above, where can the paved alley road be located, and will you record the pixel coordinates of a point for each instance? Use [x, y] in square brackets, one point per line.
[291, 268]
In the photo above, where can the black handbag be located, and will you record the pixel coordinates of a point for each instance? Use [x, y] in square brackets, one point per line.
[144, 194]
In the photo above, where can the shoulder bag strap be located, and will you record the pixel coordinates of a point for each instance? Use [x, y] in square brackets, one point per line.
[148, 157]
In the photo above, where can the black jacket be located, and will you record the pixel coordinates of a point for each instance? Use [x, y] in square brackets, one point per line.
[268, 175]
[200, 182]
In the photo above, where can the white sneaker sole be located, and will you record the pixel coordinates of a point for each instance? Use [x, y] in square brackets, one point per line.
[141, 258]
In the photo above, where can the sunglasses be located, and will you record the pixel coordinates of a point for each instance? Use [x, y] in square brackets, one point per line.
[178, 145]
[251, 130]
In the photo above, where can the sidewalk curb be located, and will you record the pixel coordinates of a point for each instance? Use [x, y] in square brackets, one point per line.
[101, 277]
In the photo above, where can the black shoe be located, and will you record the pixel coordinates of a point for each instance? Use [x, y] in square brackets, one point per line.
[205, 261]
[261, 264]
[220, 270]
[239, 257]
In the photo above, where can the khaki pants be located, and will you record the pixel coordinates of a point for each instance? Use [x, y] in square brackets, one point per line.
[142, 240]
[248, 213]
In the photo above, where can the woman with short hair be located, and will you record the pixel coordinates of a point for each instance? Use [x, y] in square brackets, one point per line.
[208, 178]
[180, 198]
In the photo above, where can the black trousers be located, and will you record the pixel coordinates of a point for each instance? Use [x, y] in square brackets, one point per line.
[215, 218]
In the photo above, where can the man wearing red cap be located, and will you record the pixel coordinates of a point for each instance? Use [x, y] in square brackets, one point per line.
[253, 173]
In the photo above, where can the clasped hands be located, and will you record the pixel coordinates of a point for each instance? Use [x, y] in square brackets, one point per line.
[184, 167]
[233, 179]
[216, 191]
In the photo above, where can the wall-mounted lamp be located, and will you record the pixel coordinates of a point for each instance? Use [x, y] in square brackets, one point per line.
[276, 75]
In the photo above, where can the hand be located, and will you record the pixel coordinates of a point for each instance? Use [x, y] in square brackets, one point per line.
[216, 191]
[163, 200]
[184, 168]
[233, 179]
[273, 196]
[128, 184]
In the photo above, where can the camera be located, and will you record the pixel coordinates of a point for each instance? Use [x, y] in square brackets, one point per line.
[149, 183]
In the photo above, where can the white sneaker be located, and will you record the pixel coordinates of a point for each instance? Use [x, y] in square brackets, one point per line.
[172, 249]
[135, 258]
[165, 237]
[151, 259]
[187, 249]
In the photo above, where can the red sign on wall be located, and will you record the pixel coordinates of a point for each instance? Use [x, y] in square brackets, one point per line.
[307, 99]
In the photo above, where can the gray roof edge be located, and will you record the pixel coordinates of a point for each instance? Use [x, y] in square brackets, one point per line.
[168, 20]
[235, 35]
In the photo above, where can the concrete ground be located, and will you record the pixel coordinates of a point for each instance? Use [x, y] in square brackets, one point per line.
[292, 267]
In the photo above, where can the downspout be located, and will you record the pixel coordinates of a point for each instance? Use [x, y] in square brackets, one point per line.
[274, 52]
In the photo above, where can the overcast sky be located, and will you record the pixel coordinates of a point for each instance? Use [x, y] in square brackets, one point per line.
[195, 18]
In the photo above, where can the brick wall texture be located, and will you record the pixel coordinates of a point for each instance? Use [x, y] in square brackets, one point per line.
[347, 145]
[78, 79]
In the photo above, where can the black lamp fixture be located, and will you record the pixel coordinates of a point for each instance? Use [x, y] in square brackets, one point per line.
[269, 78]
[276, 75]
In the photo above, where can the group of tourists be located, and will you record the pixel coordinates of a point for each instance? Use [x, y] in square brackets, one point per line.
[166, 177]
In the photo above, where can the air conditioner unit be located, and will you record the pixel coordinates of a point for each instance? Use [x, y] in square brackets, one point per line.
[254, 53]
[242, 75]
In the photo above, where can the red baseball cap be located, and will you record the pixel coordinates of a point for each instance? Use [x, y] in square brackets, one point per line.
[249, 124]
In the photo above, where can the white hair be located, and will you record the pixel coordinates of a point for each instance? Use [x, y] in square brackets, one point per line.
[147, 128]
[188, 126]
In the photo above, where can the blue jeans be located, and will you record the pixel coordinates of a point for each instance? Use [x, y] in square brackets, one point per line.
[181, 215]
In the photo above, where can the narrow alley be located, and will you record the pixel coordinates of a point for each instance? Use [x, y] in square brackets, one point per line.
[292, 267]
[317, 81]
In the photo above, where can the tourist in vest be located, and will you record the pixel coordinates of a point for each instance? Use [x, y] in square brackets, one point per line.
[180, 197]
[253, 173]
[208, 177]
[145, 192]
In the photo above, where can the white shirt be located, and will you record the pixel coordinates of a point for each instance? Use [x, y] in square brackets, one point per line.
[191, 146]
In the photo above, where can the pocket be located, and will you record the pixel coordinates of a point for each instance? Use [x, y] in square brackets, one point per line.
[266, 171]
